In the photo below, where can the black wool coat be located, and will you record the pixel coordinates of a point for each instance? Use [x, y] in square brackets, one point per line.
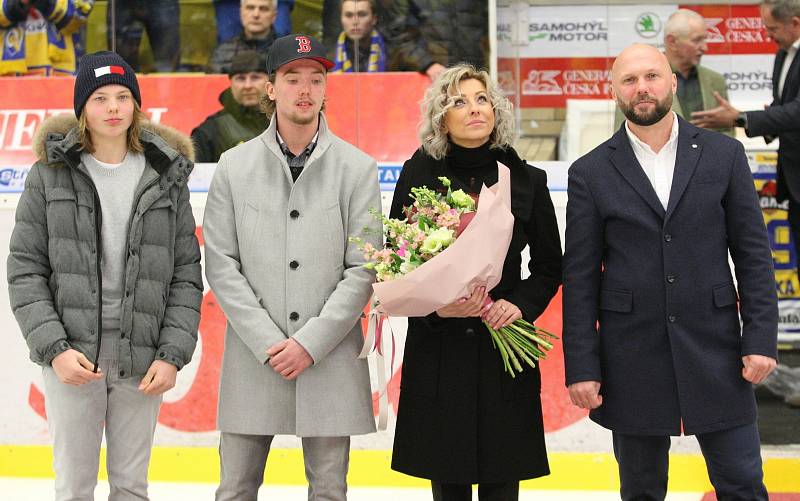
[461, 418]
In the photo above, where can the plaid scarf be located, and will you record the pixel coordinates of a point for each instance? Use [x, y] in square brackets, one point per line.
[377, 54]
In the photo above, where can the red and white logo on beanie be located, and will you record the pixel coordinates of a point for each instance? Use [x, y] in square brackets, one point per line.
[107, 70]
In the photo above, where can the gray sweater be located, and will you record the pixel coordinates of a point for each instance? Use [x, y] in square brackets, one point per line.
[116, 184]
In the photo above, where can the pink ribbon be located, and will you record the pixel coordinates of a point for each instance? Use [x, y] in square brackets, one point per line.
[374, 343]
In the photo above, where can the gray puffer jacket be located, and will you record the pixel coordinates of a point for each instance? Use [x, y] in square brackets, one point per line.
[54, 278]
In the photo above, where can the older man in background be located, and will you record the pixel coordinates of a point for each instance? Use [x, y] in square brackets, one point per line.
[258, 34]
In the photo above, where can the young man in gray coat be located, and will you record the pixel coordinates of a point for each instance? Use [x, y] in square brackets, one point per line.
[278, 216]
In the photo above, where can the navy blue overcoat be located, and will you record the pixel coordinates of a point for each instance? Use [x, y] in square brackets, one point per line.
[650, 304]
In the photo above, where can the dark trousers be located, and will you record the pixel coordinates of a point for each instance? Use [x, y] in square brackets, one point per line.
[505, 491]
[229, 22]
[733, 460]
[161, 19]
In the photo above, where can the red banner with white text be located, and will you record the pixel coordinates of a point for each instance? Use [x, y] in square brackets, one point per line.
[376, 112]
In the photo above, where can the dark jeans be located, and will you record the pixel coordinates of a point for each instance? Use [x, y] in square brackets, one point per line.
[161, 19]
[506, 491]
[229, 22]
[733, 460]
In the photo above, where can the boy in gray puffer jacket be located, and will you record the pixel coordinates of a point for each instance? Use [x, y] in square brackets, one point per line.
[104, 277]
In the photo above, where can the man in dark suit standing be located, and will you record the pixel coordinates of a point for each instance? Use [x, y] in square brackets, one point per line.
[781, 119]
[652, 339]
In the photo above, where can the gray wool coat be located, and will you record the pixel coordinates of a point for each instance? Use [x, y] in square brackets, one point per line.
[257, 223]
[54, 277]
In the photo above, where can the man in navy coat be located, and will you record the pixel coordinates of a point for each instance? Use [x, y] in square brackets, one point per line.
[652, 335]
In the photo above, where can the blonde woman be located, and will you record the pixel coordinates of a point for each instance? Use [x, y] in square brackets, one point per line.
[104, 277]
[462, 420]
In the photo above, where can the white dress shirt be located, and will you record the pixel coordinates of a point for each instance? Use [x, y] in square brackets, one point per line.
[787, 62]
[660, 166]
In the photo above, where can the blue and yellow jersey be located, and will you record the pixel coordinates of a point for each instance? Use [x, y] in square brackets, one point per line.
[44, 43]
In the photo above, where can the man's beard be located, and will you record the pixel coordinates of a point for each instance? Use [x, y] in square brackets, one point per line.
[648, 118]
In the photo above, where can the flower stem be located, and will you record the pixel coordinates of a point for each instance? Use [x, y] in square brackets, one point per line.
[521, 352]
[511, 354]
[502, 349]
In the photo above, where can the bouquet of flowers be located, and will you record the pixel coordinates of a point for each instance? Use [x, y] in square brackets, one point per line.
[448, 228]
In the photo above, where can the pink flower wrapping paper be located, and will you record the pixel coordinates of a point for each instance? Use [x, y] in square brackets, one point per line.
[476, 258]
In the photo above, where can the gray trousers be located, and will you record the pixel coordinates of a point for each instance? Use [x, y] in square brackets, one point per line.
[243, 459]
[77, 416]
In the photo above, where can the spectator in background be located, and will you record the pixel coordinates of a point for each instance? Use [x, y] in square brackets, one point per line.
[359, 48]
[32, 47]
[127, 21]
[781, 119]
[229, 25]
[391, 24]
[240, 118]
[685, 42]
[429, 35]
[258, 34]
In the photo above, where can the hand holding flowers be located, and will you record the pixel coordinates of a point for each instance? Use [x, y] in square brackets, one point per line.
[473, 306]
[469, 263]
[501, 313]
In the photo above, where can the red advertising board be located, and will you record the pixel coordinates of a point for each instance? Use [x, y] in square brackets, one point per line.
[734, 29]
[376, 112]
[550, 81]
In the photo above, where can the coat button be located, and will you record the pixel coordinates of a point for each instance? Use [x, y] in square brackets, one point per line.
[672, 319]
[162, 355]
[294, 315]
[294, 265]
[670, 278]
[470, 332]
[294, 214]
[121, 373]
[667, 237]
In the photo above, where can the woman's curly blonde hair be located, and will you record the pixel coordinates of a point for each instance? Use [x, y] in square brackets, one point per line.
[439, 98]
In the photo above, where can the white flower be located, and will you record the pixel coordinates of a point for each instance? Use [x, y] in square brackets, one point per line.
[437, 239]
